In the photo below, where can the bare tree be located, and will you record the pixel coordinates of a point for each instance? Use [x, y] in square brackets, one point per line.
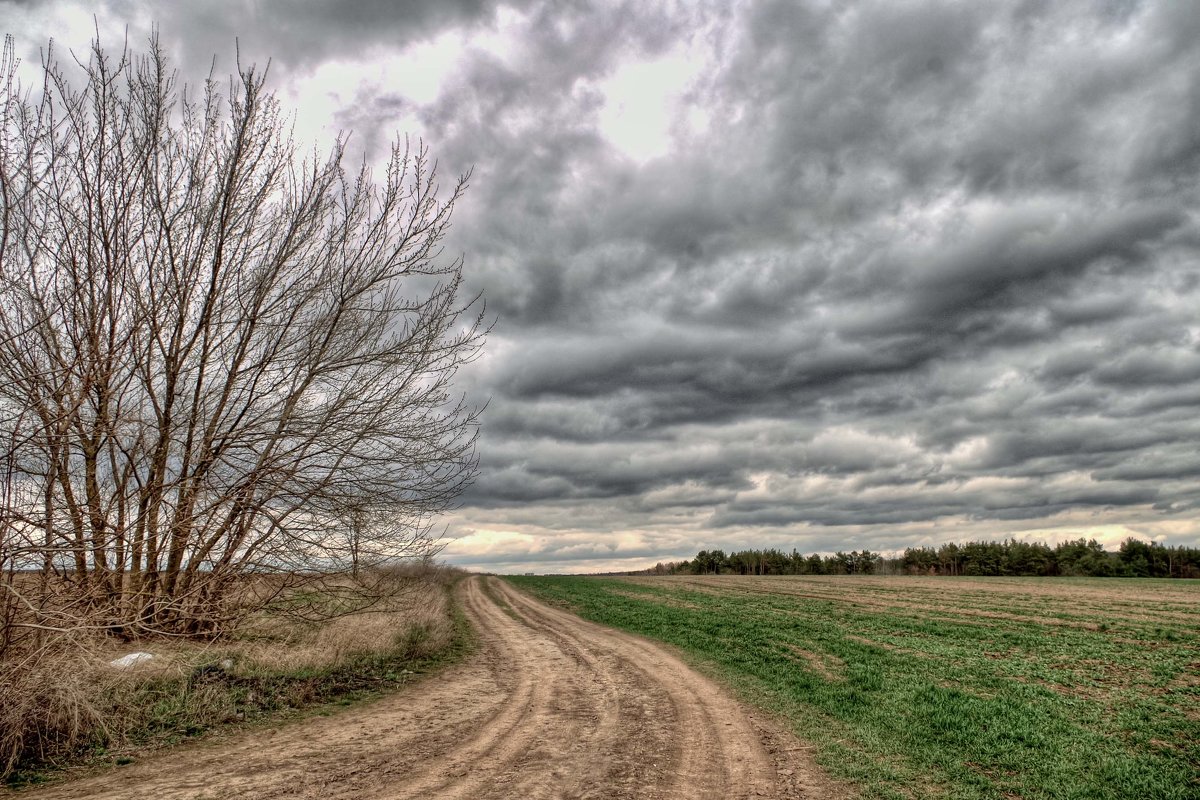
[217, 356]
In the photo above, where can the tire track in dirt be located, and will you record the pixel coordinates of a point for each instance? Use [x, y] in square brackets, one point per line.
[550, 706]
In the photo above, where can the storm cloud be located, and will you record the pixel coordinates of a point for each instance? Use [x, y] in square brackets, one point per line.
[797, 274]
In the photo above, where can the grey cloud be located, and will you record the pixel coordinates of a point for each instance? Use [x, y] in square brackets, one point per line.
[1030, 247]
[1142, 368]
[299, 35]
[550, 470]
[1166, 464]
[849, 510]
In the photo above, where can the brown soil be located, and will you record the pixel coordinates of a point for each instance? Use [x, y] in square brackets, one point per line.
[550, 706]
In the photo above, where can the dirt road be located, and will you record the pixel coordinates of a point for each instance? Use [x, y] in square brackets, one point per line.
[550, 706]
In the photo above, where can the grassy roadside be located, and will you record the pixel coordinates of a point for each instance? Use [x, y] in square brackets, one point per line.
[953, 688]
[294, 672]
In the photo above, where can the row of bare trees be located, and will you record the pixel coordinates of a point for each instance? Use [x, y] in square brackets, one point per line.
[220, 359]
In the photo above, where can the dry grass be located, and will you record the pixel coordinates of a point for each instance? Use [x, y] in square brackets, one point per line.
[63, 700]
[278, 644]
[48, 700]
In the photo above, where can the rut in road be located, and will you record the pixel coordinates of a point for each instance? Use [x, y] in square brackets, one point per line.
[550, 706]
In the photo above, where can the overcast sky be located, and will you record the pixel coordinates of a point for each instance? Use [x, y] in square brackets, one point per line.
[822, 275]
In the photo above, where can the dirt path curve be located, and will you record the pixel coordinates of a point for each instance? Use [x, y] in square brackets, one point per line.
[550, 706]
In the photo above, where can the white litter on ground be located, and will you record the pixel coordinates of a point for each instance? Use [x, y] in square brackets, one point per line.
[131, 660]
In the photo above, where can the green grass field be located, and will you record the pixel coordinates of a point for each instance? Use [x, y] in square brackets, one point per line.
[945, 687]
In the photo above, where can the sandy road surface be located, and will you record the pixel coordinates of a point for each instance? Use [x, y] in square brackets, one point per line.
[550, 706]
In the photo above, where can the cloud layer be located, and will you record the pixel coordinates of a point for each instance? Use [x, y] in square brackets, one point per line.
[799, 274]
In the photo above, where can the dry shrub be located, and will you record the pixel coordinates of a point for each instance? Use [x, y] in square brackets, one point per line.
[416, 620]
[49, 701]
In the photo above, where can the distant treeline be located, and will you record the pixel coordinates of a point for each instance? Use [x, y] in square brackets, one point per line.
[1082, 557]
